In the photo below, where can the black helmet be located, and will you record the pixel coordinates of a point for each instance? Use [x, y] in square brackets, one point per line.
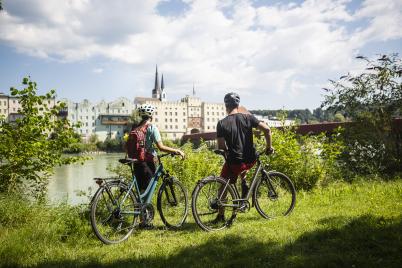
[232, 99]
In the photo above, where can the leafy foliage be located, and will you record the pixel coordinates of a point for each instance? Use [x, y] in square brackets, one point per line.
[32, 145]
[372, 99]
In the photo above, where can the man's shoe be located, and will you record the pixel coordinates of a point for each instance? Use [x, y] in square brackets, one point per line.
[219, 218]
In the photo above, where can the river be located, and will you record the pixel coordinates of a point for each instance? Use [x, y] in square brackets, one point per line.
[70, 179]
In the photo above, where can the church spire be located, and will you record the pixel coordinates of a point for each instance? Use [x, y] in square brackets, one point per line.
[162, 84]
[156, 92]
[156, 79]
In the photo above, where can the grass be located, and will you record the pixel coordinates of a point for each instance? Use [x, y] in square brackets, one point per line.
[343, 225]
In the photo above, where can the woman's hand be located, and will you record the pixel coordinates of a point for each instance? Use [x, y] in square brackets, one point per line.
[181, 153]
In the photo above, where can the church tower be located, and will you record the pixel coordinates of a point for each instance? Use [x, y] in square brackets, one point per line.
[156, 92]
[163, 93]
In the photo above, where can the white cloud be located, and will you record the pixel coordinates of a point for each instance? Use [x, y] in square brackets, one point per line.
[275, 49]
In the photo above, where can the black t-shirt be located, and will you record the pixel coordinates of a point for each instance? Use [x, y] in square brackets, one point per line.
[236, 129]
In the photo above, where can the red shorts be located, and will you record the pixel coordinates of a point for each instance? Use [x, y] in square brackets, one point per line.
[232, 171]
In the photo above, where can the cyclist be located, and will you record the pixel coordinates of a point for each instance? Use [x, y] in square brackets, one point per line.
[235, 137]
[145, 170]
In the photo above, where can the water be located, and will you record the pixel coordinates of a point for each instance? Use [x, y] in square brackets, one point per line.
[70, 179]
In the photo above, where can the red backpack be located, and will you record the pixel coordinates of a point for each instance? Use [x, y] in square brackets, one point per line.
[136, 144]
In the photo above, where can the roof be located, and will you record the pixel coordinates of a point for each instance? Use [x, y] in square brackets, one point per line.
[144, 99]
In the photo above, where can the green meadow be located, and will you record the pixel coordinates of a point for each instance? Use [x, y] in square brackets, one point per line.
[343, 225]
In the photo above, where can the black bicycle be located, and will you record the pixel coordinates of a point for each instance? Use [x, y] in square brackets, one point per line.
[117, 207]
[273, 195]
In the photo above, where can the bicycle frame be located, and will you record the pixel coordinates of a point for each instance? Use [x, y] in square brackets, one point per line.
[259, 169]
[146, 196]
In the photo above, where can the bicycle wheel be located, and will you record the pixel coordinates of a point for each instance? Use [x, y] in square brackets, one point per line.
[172, 203]
[274, 195]
[113, 218]
[209, 198]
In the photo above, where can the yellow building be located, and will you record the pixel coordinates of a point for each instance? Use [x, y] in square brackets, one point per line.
[188, 115]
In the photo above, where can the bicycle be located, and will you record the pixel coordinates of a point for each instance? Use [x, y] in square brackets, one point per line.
[117, 206]
[273, 195]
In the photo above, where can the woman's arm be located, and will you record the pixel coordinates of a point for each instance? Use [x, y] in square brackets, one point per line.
[168, 149]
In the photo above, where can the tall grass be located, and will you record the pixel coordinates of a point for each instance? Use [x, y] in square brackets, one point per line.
[343, 225]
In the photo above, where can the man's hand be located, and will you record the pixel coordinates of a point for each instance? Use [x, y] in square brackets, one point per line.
[269, 150]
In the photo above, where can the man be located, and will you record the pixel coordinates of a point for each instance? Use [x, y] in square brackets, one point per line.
[235, 137]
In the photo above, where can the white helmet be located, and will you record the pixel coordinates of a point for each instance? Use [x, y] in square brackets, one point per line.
[146, 109]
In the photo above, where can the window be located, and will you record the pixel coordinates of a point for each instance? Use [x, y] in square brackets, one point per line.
[184, 114]
[184, 119]
[184, 126]
[156, 113]
[176, 127]
[165, 113]
[156, 119]
[171, 127]
[165, 119]
[87, 117]
[93, 124]
[171, 113]
[207, 113]
[170, 119]
[166, 126]
[176, 120]
[86, 124]
[175, 113]
[93, 117]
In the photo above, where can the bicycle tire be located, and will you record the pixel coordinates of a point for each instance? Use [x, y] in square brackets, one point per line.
[172, 203]
[107, 213]
[213, 184]
[274, 202]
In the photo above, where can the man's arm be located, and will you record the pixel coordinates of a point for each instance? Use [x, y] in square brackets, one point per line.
[222, 144]
[267, 134]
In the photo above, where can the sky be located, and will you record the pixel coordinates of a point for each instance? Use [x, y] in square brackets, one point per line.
[275, 54]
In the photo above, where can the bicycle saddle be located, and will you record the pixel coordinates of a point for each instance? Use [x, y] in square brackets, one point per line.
[128, 160]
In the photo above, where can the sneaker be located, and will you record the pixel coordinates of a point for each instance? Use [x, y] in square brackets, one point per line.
[219, 218]
[244, 189]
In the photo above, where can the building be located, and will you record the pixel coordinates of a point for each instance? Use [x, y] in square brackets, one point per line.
[105, 119]
[188, 115]
[4, 106]
[274, 122]
[10, 106]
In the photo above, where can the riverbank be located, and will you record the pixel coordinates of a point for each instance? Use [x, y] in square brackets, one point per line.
[343, 225]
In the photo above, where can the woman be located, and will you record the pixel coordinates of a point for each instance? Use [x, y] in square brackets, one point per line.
[145, 170]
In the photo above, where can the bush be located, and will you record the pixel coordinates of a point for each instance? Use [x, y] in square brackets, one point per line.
[307, 160]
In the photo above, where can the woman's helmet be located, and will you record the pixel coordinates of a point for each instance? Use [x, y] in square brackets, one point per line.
[146, 110]
[232, 99]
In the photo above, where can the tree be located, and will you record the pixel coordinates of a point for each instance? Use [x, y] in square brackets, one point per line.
[374, 95]
[33, 145]
[372, 99]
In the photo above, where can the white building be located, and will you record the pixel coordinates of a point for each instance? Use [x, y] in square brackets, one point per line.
[274, 122]
[10, 106]
[103, 119]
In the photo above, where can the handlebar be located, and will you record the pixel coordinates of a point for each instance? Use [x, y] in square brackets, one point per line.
[132, 160]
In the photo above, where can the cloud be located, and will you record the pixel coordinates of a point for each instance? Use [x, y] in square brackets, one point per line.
[219, 45]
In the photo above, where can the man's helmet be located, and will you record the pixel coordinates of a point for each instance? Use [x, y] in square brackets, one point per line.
[146, 109]
[232, 99]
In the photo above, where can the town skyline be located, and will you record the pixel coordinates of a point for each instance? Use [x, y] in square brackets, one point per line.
[275, 54]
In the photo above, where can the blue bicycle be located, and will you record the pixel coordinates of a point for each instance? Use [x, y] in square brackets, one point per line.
[117, 207]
